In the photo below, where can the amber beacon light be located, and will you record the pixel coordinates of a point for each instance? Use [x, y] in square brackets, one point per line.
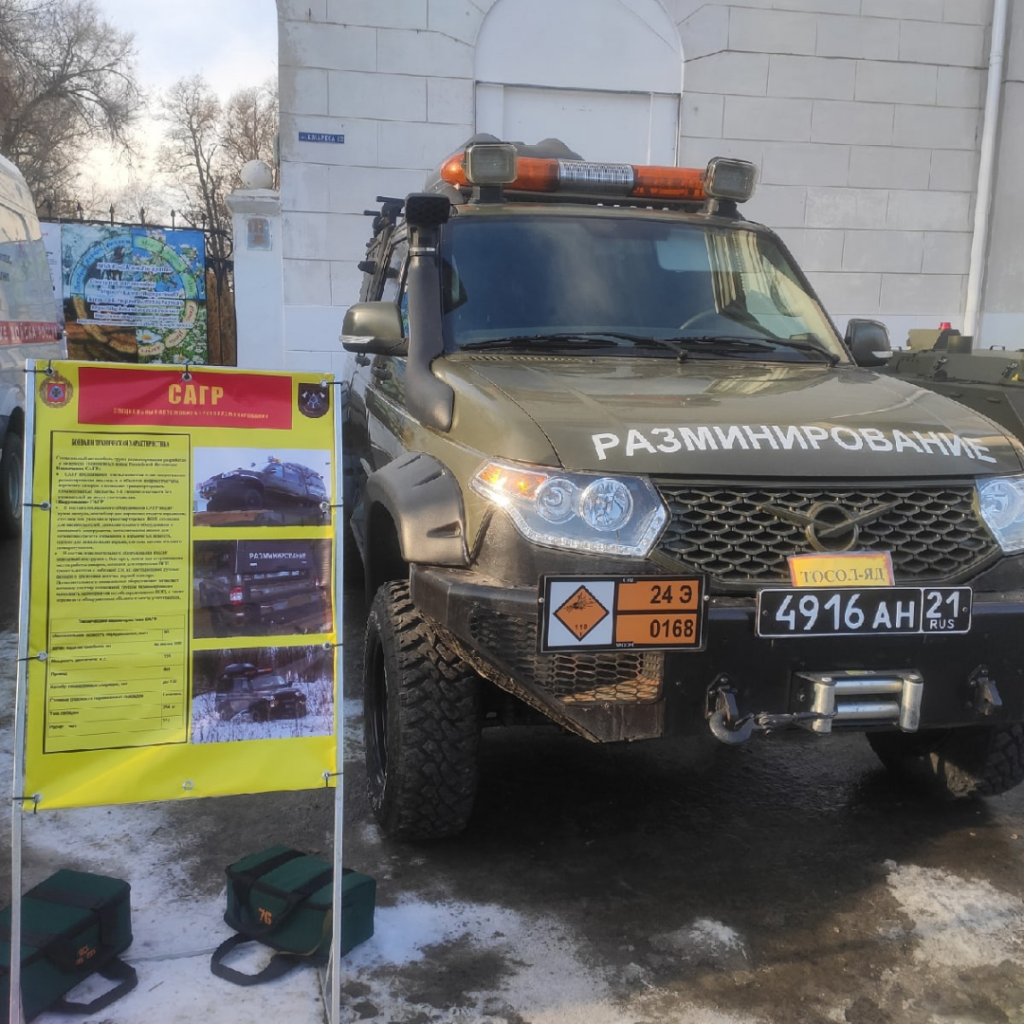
[498, 163]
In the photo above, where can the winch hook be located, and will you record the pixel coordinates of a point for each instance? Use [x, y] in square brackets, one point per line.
[725, 722]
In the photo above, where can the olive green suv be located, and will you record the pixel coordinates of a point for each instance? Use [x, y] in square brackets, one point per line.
[610, 464]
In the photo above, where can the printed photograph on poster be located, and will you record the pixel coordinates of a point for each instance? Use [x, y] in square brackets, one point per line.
[256, 487]
[262, 693]
[134, 294]
[254, 587]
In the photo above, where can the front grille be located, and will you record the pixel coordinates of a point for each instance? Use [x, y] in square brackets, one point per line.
[611, 677]
[933, 533]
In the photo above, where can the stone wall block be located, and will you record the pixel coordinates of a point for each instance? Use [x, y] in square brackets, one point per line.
[307, 283]
[450, 101]
[961, 87]
[918, 10]
[811, 77]
[377, 97]
[885, 82]
[884, 251]
[858, 124]
[303, 91]
[378, 13]
[926, 42]
[305, 187]
[423, 53]
[770, 31]
[805, 164]
[323, 236]
[928, 211]
[859, 38]
[937, 127]
[954, 170]
[334, 47]
[422, 146]
[355, 189]
[738, 74]
[701, 115]
[846, 207]
[889, 167]
[769, 118]
[921, 293]
[947, 252]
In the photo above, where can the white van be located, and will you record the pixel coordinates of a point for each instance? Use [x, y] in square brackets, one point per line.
[30, 328]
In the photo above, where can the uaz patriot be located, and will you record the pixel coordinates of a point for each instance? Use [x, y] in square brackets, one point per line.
[611, 461]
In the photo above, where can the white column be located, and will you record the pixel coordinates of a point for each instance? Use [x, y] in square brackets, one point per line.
[259, 278]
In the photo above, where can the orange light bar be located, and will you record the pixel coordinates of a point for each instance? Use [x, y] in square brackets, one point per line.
[669, 182]
[536, 174]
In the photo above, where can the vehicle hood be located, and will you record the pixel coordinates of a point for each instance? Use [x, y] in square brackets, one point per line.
[731, 418]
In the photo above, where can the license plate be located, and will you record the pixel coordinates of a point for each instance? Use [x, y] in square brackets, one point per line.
[874, 611]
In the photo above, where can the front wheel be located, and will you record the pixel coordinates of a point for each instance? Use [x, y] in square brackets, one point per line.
[422, 722]
[11, 458]
[979, 760]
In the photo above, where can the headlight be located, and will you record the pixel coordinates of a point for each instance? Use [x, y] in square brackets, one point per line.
[1001, 501]
[615, 515]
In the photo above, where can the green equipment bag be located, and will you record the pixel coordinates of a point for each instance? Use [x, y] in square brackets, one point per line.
[283, 898]
[72, 925]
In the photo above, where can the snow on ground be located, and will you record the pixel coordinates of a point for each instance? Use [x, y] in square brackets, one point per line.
[209, 727]
[959, 922]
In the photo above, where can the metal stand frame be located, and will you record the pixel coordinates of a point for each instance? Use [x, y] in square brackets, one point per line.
[21, 699]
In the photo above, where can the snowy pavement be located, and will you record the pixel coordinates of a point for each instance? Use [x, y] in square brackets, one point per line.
[636, 890]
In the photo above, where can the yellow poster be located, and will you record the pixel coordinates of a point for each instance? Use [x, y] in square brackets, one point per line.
[182, 616]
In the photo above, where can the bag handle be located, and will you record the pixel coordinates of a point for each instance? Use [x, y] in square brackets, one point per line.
[115, 969]
[293, 901]
[280, 963]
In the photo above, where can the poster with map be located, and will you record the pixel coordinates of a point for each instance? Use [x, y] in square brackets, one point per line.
[134, 294]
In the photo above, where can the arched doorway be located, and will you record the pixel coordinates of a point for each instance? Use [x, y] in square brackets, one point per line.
[604, 76]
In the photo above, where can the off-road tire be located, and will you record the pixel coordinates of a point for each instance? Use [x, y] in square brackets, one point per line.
[982, 760]
[260, 713]
[252, 498]
[422, 722]
[11, 459]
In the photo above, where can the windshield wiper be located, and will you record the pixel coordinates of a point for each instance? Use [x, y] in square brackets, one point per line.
[765, 344]
[573, 339]
[809, 347]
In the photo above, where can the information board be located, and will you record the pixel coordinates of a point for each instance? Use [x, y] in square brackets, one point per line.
[182, 610]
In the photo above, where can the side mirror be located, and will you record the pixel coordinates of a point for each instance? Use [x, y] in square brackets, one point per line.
[374, 328]
[868, 342]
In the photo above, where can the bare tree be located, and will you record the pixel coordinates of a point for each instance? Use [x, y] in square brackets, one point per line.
[250, 126]
[66, 76]
[206, 144]
[192, 157]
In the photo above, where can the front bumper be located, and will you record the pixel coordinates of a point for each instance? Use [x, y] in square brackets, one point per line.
[632, 694]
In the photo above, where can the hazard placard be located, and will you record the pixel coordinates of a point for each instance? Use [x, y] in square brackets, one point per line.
[622, 612]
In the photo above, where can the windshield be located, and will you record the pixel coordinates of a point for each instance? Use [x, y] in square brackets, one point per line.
[625, 282]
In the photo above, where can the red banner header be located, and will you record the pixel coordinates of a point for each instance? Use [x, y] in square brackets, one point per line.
[164, 398]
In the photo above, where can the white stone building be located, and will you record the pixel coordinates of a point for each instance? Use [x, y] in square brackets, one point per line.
[865, 118]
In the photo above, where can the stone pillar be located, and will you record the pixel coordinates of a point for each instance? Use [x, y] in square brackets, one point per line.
[259, 274]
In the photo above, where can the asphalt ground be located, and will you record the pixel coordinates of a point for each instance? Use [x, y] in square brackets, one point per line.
[788, 880]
